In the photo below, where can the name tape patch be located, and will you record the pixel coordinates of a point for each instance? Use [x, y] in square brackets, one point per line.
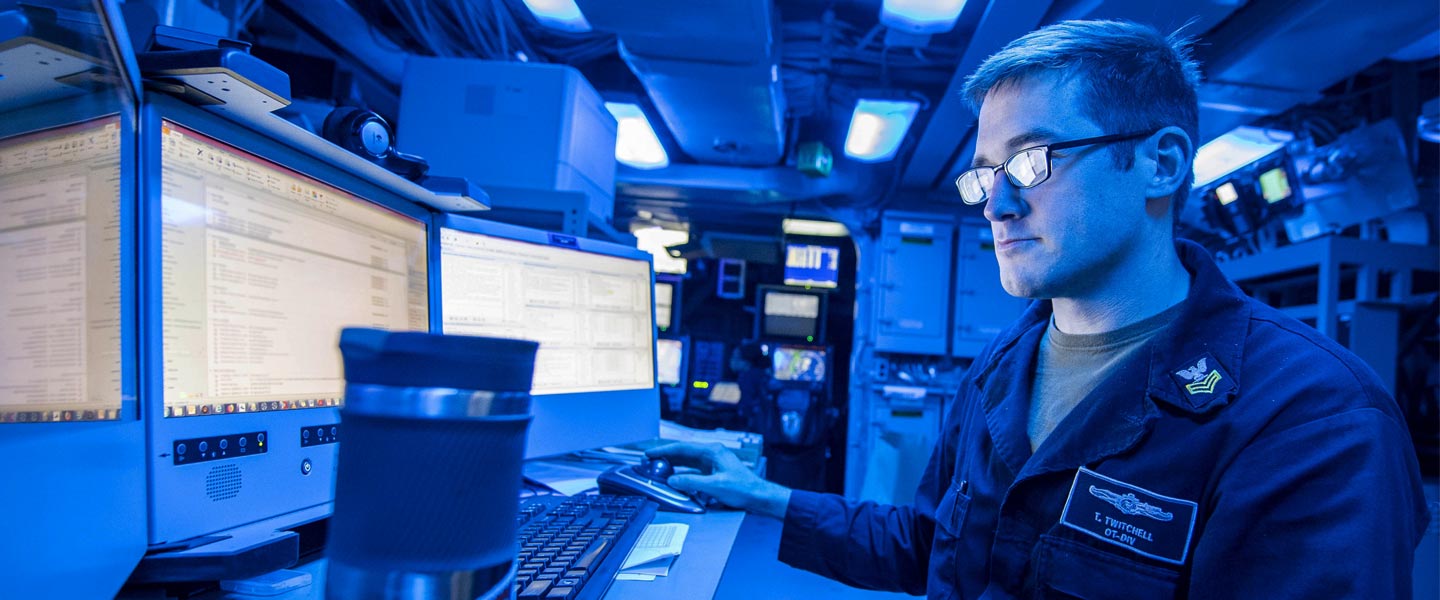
[1131, 517]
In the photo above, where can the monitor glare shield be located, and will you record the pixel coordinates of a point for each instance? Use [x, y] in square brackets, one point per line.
[791, 315]
[791, 363]
[669, 356]
[664, 304]
[60, 277]
[255, 254]
[589, 305]
[811, 265]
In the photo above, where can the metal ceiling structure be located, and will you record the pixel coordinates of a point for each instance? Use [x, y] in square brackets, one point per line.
[734, 86]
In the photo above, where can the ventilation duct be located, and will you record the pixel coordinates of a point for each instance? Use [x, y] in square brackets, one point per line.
[711, 69]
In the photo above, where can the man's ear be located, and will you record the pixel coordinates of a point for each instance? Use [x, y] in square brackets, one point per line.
[1168, 153]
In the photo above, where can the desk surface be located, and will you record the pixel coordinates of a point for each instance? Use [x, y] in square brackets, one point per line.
[696, 573]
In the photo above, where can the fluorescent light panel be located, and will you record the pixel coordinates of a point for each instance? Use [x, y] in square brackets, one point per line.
[921, 16]
[808, 227]
[877, 127]
[558, 14]
[635, 142]
[1241, 146]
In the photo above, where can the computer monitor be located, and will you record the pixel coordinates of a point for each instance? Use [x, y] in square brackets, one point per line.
[790, 314]
[588, 303]
[799, 363]
[812, 265]
[258, 254]
[670, 364]
[71, 437]
[60, 274]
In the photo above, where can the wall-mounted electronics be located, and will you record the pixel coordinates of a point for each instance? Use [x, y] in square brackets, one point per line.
[589, 305]
[1251, 197]
[790, 314]
[812, 265]
[730, 279]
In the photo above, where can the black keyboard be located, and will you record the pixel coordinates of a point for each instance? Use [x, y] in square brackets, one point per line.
[571, 548]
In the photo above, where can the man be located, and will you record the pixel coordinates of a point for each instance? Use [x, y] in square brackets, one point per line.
[1145, 430]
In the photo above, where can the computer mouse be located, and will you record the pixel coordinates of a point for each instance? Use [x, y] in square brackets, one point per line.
[629, 481]
[655, 469]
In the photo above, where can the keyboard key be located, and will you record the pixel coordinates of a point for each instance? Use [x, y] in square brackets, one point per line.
[535, 590]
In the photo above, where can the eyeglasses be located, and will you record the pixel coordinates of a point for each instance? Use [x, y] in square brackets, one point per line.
[1027, 168]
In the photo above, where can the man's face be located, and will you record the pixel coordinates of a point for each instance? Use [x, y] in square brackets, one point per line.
[1063, 237]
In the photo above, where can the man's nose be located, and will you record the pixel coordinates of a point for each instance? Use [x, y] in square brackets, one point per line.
[1003, 201]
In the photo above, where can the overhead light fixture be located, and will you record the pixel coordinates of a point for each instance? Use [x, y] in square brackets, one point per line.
[656, 241]
[921, 16]
[635, 141]
[877, 127]
[559, 14]
[1237, 148]
[808, 227]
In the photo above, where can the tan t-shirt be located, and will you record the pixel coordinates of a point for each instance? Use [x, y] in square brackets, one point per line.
[1069, 366]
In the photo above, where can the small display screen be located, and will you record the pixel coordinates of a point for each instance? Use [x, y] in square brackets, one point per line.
[668, 357]
[1226, 193]
[812, 265]
[1274, 185]
[725, 392]
[798, 364]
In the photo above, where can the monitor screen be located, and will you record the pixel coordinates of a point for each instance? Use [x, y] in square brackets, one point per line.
[590, 312]
[664, 304]
[669, 356]
[1275, 185]
[588, 303]
[790, 315]
[60, 359]
[791, 363]
[262, 267]
[725, 392]
[812, 266]
[1226, 193]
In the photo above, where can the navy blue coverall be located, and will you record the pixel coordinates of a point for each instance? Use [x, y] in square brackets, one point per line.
[1277, 468]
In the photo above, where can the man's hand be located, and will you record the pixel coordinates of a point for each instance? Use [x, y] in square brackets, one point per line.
[723, 477]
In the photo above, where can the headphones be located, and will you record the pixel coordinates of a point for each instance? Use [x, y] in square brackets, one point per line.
[367, 135]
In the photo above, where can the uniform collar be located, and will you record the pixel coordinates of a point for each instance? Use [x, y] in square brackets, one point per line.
[1212, 326]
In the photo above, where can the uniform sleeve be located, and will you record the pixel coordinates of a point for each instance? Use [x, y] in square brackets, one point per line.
[1331, 508]
[865, 544]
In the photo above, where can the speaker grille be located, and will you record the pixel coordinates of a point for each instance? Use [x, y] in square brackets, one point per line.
[223, 482]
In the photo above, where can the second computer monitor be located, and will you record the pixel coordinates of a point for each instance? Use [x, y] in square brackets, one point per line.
[587, 303]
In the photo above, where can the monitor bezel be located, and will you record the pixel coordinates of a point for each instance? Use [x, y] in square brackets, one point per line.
[179, 507]
[570, 422]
